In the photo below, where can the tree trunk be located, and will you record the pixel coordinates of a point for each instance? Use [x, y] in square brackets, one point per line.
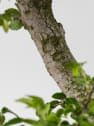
[49, 37]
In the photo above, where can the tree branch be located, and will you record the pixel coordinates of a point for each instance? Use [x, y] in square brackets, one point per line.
[49, 37]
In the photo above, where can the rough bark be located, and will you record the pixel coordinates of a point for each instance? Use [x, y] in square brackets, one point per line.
[49, 37]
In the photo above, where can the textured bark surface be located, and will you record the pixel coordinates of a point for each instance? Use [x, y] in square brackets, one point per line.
[49, 37]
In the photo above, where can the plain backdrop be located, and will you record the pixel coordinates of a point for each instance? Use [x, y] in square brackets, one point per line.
[22, 71]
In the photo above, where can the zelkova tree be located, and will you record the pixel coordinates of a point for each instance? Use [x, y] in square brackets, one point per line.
[76, 86]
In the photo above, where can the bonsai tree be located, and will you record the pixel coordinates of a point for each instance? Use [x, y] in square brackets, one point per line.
[77, 87]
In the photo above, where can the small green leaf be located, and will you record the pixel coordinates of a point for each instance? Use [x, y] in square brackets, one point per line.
[47, 109]
[84, 122]
[64, 123]
[54, 103]
[46, 123]
[5, 25]
[2, 119]
[53, 118]
[33, 101]
[42, 113]
[71, 101]
[60, 96]
[13, 121]
[71, 65]
[12, 11]
[59, 112]
[15, 25]
[71, 105]
[75, 72]
[6, 17]
[1, 20]
[7, 110]
[76, 68]
[29, 121]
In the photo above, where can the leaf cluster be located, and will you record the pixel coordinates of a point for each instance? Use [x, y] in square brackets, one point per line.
[52, 113]
[10, 19]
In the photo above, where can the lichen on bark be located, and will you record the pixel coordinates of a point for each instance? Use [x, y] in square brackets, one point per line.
[49, 37]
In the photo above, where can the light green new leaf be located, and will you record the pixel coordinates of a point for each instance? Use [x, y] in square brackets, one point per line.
[47, 109]
[33, 101]
[53, 117]
[75, 67]
[5, 25]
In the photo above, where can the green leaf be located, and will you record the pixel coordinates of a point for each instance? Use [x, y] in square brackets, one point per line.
[15, 25]
[13, 121]
[75, 72]
[47, 109]
[19, 120]
[71, 101]
[84, 122]
[53, 117]
[72, 105]
[6, 17]
[1, 20]
[46, 123]
[72, 65]
[59, 112]
[42, 113]
[75, 67]
[12, 11]
[2, 119]
[64, 123]
[37, 103]
[7, 110]
[60, 96]
[67, 109]
[33, 101]
[54, 103]
[5, 25]
[29, 121]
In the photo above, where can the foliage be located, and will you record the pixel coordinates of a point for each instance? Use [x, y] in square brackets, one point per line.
[53, 112]
[10, 19]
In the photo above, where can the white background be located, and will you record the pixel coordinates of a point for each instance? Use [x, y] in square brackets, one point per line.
[22, 71]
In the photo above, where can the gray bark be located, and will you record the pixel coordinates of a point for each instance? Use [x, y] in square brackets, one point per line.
[49, 38]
